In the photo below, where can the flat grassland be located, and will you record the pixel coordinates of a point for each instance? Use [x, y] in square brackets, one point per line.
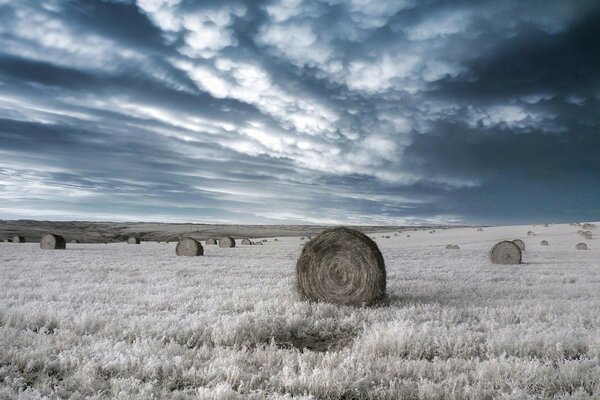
[135, 321]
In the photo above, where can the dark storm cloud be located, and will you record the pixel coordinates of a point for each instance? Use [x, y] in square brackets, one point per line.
[358, 111]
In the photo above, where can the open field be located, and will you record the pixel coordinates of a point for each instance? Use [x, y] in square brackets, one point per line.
[135, 321]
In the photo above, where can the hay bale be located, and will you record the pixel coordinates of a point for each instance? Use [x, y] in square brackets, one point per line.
[226, 242]
[18, 239]
[505, 253]
[585, 234]
[341, 266]
[7, 240]
[52, 242]
[452, 247]
[265, 240]
[276, 240]
[189, 247]
[479, 229]
[260, 243]
[133, 240]
[546, 225]
[588, 226]
[581, 246]
[211, 241]
[519, 243]
[530, 233]
[407, 236]
[544, 243]
[246, 241]
[302, 238]
[74, 241]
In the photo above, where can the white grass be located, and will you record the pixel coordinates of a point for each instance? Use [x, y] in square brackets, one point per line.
[119, 321]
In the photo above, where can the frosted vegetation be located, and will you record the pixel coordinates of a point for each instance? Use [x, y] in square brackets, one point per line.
[119, 321]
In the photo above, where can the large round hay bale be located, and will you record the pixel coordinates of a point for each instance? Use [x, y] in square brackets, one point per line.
[52, 242]
[246, 241]
[544, 243]
[226, 242]
[211, 241]
[189, 247]
[133, 240]
[18, 239]
[7, 240]
[530, 233]
[506, 253]
[581, 246]
[519, 243]
[341, 266]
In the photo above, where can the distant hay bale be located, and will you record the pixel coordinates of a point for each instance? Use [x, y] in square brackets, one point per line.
[585, 234]
[505, 253]
[246, 241]
[264, 240]
[302, 238]
[211, 241]
[276, 240]
[530, 233]
[133, 240]
[479, 229]
[588, 226]
[395, 234]
[7, 240]
[544, 243]
[581, 246]
[341, 266]
[546, 225]
[259, 243]
[189, 247]
[407, 236]
[18, 239]
[74, 241]
[452, 247]
[52, 242]
[226, 242]
[520, 244]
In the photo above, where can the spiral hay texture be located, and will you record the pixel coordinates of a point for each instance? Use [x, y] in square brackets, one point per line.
[189, 247]
[544, 243]
[133, 240]
[581, 246]
[519, 243]
[341, 266]
[52, 242]
[505, 253]
[211, 241]
[226, 242]
[530, 233]
[246, 242]
[18, 239]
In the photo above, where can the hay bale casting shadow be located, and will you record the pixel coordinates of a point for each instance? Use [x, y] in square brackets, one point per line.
[246, 242]
[226, 241]
[341, 266]
[133, 240]
[581, 246]
[189, 247]
[519, 243]
[53, 242]
[211, 241]
[505, 253]
[18, 239]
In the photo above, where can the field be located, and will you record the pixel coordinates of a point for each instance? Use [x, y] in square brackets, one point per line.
[134, 321]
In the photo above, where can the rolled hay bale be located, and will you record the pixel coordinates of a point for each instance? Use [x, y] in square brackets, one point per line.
[264, 240]
[133, 240]
[581, 246]
[276, 240]
[7, 240]
[302, 238]
[74, 241]
[18, 239]
[189, 247]
[546, 225]
[519, 243]
[408, 236]
[530, 233]
[52, 242]
[395, 234]
[341, 266]
[452, 247]
[479, 229]
[544, 243]
[246, 241]
[588, 226]
[505, 253]
[259, 243]
[585, 234]
[226, 242]
[210, 241]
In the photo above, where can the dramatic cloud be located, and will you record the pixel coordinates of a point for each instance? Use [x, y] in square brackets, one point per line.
[327, 111]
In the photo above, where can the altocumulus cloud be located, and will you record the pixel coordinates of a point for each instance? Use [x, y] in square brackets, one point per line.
[322, 111]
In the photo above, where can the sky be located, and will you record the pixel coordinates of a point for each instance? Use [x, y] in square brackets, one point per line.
[300, 111]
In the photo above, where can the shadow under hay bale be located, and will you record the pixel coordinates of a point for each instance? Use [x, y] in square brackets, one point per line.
[246, 242]
[133, 240]
[520, 244]
[189, 247]
[18, 239]
[226, 242]
[505, 253]
[210, 241]
[581, 246]
[341, 266]
[52, 242]
[544, 243]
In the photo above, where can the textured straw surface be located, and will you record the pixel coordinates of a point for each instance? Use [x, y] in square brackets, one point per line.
[519, 243]
[189, 247]
[226, 241]
[133, 240]
[505, 253]
[246, 241]
[52, 242]
[211, 241]
[18, 239]
[581, 246]
[341, 266]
